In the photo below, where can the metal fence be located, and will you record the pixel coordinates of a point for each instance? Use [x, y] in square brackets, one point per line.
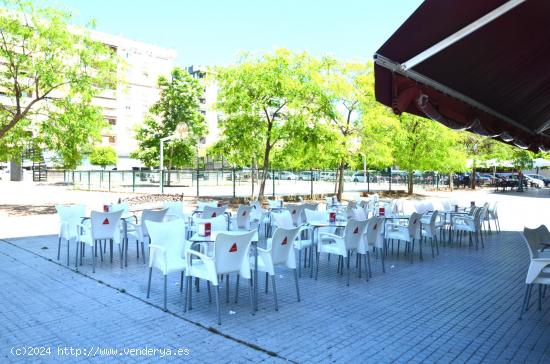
[239, 183]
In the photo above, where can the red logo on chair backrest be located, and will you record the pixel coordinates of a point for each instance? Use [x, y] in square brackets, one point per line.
[414, 222]
[375, 226]
[293, 212]
[106, 221]
[356, 231]
[233, 248]
[285, 241]
[244, 213]
[213, 214]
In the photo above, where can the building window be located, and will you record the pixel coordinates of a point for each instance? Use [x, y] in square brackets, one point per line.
[111, 121]
[112, 139]
[202, 100]
[202, 112]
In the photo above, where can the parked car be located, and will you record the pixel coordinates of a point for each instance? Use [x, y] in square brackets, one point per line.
[539, 177]
[534, 182]
[285, 175]
[359, 177]
[308, 176]
[328, 176]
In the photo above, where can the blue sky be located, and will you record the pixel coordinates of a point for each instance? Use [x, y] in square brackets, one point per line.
[214, 32]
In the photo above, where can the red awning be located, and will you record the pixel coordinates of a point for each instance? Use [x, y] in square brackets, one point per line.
[483, 66]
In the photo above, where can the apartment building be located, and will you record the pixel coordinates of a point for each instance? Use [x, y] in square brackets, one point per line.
[125, 107]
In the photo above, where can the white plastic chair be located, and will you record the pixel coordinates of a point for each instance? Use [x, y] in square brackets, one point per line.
[372, 237]
[539, 266]
[283, 219]
[70, 217]
[492, 215]
[175, 210]
[407, 233]
[231, 255]
[429, 229]
[139, 233]
[105, 226]
[471, 225]
[242, 220]
[341, 246]
[167, 250]
[202, 204]
[297, 214]
[279, 252]
[259, 217]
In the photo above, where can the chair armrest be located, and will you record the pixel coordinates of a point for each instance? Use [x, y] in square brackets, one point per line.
[329, 236]
[190, 252]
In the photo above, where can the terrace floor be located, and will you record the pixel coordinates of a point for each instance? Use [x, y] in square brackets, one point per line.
[462, 306]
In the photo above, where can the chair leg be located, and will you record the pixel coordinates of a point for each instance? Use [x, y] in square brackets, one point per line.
[274, 292]
[100, 251]
[209, 294]
[237, 288]
[165, 290]
[528, 297]
[59, 248]
[143, 251]
[251, 294]
[437, 245]
[186, 295]
[297, 287]
[68, 244]
[121, 256]
[317, 269]
[369, 266]
[432, 245]
[482, 242]
[267, 281]
[358, 266]
[149, 281]
[383, 253]
[181, 282]
[111, 249]
[76, 255]
[227, 289]
[137, 249]
[348, 268]
[299, 266]
[366, 271]
[524, 301]
[217, 296]
[540, 297]
[93, 257]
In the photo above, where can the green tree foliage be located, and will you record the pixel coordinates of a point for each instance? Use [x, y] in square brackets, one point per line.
[346, 86]
[178, 104]
[262, 100]
[48, 78]
[103, 156]
[423, 144]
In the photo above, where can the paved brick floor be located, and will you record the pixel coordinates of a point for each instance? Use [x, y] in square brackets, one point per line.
[462, 306]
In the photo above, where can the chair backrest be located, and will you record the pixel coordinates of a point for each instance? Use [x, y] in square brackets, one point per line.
[169, 235]
[202, 204]
[358, 214]
[283, 219]
[316, 216]
[296, 213]
[151, 215]
[231, 252]
[353, 232]
[534, 239]
[71, 214]
[218, 223]
[211, 212]
[374, 229]
[431, 226]
[124, 207]
[105, 224]
[175, 208]
[282, 245]
[275, 203]
[414, 224]
[310, 206]
[243, 216]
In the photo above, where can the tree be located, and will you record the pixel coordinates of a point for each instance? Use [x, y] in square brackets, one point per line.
[260, 99]
[178, 104]
[103, 156]
[421, 144]
[345, 86]
[49, 76]
[481, 149]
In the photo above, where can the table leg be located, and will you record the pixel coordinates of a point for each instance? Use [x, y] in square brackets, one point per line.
[256, 276]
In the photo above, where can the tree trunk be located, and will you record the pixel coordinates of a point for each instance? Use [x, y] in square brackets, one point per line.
[336, 181]
[265, 169]
[252, 175]
[473, 178]
[451, 181]
[410, 182]
[340, 180]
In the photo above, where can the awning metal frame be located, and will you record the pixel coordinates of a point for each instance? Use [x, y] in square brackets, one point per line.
[467, 30]
[418, 77]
